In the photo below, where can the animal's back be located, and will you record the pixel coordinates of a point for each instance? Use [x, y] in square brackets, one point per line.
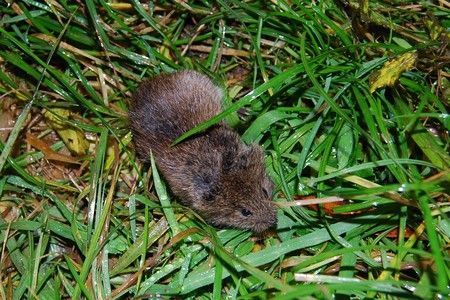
[166, 106]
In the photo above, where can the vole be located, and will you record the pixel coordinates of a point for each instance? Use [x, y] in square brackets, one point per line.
[214, 172]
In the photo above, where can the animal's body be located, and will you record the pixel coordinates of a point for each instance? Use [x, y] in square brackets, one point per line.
[214, 172]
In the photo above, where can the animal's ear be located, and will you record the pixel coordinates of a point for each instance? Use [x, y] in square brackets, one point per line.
[243, 158]
[229, 158]
[206, 183]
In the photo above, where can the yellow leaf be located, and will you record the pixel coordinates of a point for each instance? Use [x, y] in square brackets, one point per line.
[165, 51]
[434, 29]
[365, 6]
[112, 154]
[391, 71]
[72, 137]
[56, 117]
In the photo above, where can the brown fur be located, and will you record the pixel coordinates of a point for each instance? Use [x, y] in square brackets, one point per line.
[214, 173]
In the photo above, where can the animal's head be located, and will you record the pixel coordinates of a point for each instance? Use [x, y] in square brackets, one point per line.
[239, 192]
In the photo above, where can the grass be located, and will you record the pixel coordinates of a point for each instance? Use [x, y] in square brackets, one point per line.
[349, 99]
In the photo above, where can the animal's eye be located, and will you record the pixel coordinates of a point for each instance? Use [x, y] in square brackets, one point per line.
[245, 212]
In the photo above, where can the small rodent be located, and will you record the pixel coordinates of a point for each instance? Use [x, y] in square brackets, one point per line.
[214, 172]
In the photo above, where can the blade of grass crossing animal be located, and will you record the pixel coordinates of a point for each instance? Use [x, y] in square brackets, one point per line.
[274, 82]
